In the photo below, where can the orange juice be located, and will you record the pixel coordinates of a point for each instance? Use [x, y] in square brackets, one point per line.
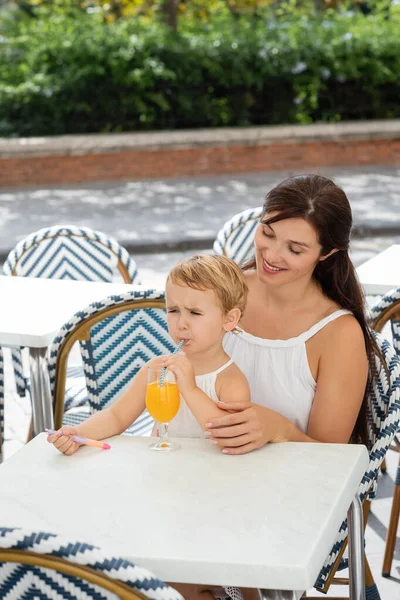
[162, 402]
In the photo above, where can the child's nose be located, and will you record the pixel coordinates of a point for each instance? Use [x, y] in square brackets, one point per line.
[182, 322]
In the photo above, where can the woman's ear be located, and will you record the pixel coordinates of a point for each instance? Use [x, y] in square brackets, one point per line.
[329, 254]
[232, 319]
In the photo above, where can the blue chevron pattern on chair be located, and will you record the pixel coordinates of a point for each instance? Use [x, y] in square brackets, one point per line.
[388, 309]
[65, 252]
[381, 312]
[383, 421]
[119, 345]
[60, 571]
[235, 239]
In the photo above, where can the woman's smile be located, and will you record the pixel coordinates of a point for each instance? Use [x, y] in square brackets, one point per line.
[268, 268]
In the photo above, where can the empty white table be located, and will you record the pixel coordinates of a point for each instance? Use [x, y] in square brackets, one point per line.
[381, 273]
[266, 520]
[32, 312]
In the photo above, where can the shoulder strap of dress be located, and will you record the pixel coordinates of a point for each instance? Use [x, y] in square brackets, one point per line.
[318, 326]
[227, 364]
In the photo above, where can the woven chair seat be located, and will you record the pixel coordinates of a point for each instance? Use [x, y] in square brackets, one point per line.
[65, 575]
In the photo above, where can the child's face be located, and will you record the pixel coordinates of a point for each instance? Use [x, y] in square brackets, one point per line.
[194, 316]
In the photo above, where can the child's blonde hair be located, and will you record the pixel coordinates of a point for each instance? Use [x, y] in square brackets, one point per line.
[212, 272]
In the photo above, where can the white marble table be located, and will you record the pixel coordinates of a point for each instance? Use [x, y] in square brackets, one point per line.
[381, 273]
[32, 312]
[267, 519]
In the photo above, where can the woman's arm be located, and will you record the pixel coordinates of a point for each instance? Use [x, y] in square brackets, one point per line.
[341, 381]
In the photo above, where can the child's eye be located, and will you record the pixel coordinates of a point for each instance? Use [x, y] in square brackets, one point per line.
[294, 251]
[193, 312]
[171, 310]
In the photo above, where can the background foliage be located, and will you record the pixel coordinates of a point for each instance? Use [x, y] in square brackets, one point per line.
[79, 66]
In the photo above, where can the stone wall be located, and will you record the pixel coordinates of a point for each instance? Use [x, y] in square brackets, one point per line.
[129, 156]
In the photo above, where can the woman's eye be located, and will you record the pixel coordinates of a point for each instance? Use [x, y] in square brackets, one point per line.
[268, 235]
[294, 251]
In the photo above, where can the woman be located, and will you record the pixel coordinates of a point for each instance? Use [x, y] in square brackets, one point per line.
[303, 344]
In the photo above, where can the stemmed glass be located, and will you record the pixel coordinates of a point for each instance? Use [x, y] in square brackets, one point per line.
[162, 402]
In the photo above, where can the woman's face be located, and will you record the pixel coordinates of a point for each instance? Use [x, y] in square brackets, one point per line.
[286, 251]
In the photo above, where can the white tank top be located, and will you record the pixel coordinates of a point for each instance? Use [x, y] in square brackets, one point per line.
[185, 424]
[278, 372]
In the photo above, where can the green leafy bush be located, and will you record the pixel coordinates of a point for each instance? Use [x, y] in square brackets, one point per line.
[64, 74]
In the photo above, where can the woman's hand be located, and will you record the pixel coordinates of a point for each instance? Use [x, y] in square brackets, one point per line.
[183, 371]
[247, 427]
[63, 440]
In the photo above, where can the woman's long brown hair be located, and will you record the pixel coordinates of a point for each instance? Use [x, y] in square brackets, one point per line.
[325, 206]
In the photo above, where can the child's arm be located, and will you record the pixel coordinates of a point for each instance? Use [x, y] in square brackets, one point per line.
[233, 389]
[110, 421]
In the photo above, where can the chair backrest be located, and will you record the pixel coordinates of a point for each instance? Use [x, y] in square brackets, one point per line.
[36, 564]
[120, 334]
[70, 252]
[383, 421]
[235, 239]
[387, 309]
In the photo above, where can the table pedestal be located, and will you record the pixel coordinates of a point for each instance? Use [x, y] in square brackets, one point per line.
[355, 523]
[42, 412]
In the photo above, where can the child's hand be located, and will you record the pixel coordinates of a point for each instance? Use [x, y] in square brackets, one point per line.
[183, 371]
[63, 440]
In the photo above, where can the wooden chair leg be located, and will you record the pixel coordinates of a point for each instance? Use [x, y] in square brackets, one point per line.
[371, 590]
[383, 466]
[369, 578]
[392, 529]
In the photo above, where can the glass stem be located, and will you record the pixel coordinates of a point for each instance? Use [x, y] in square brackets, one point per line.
[163, 429]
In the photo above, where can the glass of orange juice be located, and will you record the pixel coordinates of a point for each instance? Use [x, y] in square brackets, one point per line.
[162, 402]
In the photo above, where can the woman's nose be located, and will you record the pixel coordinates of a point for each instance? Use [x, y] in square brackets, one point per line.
[273, 254]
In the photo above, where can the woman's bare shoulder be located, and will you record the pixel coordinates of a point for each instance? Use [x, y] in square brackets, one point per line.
[343, 331]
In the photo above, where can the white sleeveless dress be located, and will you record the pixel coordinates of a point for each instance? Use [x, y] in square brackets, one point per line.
[278, 372]
[185, 424]
[279, 377]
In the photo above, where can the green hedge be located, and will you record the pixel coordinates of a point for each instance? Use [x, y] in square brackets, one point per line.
[64, 75]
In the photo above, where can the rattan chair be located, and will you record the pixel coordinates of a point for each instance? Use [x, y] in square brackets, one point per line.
[64, 252]
[235, 239]
[383, 421]
[118, 335]
[67, 252]
[45, 566]
[387, 310]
